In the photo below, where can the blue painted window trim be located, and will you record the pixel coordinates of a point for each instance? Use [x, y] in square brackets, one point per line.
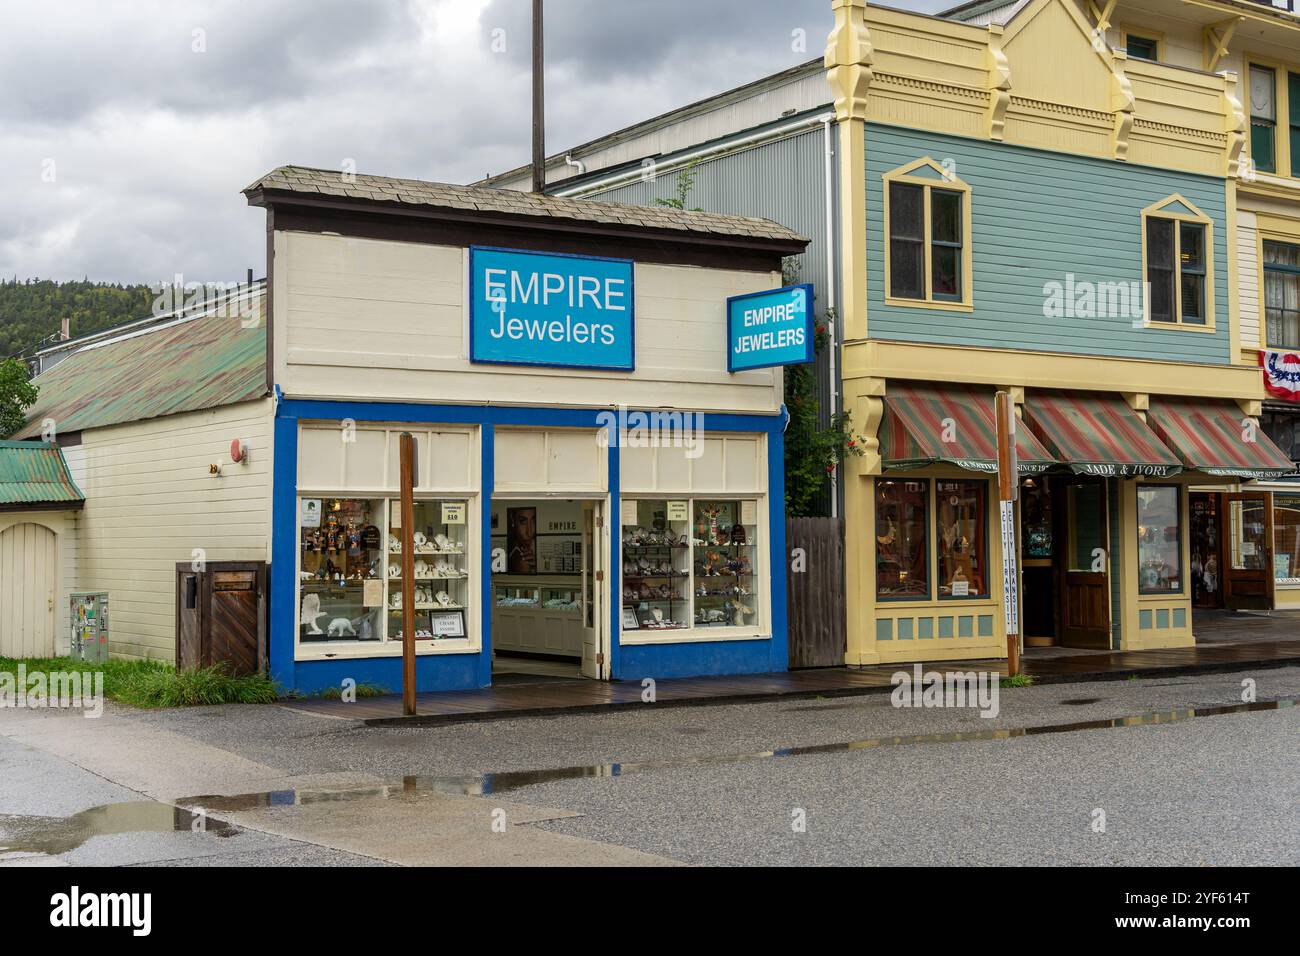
[473, 668]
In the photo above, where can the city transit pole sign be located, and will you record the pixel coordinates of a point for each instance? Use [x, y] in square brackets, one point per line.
[1008, 492]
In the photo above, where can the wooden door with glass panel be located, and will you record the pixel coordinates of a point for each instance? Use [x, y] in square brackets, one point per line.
[1082, 519]
[1248, 527]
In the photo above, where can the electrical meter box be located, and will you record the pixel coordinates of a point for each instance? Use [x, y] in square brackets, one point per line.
[89, 625]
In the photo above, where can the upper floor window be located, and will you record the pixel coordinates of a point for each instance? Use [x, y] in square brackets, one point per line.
[1142, 48]
[927, 227]
[1263, 118]
[1282, 294]
[1177, 242]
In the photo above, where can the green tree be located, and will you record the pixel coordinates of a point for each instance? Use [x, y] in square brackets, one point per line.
[17, 394]
[812, 453]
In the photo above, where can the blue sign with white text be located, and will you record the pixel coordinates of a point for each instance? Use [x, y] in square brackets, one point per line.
[770, 328]
[537, 308]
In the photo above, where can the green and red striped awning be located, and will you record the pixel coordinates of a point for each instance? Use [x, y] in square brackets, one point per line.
[949, 424]
[1098, 434]
[1217, 439]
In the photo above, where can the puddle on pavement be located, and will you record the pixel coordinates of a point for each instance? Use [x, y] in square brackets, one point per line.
[496, 783]
[55, 835]
[1080, 701]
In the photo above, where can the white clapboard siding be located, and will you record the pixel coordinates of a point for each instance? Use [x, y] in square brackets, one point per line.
[373, 319]
[1248, 279]
[151, 502]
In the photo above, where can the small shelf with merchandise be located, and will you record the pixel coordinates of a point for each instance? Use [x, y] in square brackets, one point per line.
[724, 547]
[340, 552]
[656, 569]
[441, 575]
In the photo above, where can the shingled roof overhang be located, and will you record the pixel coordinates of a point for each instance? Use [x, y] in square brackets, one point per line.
[381, 207]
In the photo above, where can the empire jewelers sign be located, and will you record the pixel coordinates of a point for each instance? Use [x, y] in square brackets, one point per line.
[534, 308]
[770, 328]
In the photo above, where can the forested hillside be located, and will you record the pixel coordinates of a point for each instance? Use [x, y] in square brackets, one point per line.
[30, 310]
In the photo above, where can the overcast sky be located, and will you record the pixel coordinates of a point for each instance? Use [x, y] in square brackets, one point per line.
[128, 127]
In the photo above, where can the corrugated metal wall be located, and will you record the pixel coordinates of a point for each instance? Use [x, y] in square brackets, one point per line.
[783, 180]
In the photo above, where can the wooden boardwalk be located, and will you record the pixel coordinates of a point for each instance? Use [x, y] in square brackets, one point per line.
[553, 697]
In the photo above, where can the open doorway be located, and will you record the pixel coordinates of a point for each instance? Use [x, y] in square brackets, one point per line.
[548, 589]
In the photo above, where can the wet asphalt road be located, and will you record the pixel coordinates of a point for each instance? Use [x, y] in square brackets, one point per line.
[1215, 790]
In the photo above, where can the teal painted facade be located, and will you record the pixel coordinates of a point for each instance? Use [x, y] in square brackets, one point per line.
[1036, 217]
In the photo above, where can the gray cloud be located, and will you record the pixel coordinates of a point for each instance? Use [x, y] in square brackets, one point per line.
[149, 142]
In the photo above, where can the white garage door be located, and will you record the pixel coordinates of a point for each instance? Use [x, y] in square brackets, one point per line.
[28, 578]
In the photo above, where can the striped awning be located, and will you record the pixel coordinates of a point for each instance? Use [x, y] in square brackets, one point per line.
[949, 424]
[1217, 439]
[1098, 434]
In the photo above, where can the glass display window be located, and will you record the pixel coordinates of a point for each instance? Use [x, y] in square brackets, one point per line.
[341, 569]
[902, 548]
[1159, 539]
[962, 511]
[1286, 538]
[656, 554]
[724, 539]
[442, 580]
[690, 563]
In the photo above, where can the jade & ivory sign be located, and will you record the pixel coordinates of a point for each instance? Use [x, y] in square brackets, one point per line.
[535, 308]
[770, 328]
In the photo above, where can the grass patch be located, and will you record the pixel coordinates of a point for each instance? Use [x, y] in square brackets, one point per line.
[152, 684]
[1019, 680]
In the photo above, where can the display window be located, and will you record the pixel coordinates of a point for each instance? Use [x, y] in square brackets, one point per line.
[341, 568]
[1159, 539]
[350, 570]
[441, 571]
[962, 513]
[1286, 538]
[902, 551]
[689, 563]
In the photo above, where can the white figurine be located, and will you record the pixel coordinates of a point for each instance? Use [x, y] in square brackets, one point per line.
[394, 570]
[311, 613]
[394, 544]
[341, 627]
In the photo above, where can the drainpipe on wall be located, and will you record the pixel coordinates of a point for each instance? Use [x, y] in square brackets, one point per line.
[826, 120]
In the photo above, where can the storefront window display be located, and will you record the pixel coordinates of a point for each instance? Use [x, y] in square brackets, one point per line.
[902, 520]
[350, 570]
[1286, 538]
[963, 521]
[1159, 539]
[441, 570]
[1036, 518]
[724, 541]
[689, 563]
[341, 569]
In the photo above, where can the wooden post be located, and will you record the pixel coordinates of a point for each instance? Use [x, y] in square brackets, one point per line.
[1008, 493]
[407, 465]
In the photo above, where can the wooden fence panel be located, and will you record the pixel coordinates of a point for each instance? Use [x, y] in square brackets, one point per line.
[815, 577]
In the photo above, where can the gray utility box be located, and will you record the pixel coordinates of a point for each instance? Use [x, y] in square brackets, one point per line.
[89, 623]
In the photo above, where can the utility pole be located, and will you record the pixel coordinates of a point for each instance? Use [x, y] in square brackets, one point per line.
[539, 101]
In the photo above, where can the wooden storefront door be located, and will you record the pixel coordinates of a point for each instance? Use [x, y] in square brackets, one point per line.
[1083, 564]
[1248, 536]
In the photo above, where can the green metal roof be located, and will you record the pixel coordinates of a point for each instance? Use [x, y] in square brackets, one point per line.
[182, 366]
[33, 473]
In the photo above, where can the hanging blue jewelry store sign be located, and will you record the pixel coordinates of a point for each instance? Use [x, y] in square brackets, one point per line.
[533, 308]
[770, 328]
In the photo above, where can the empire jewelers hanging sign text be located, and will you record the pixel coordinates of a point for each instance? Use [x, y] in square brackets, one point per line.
[532, 308]
[770, 328]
